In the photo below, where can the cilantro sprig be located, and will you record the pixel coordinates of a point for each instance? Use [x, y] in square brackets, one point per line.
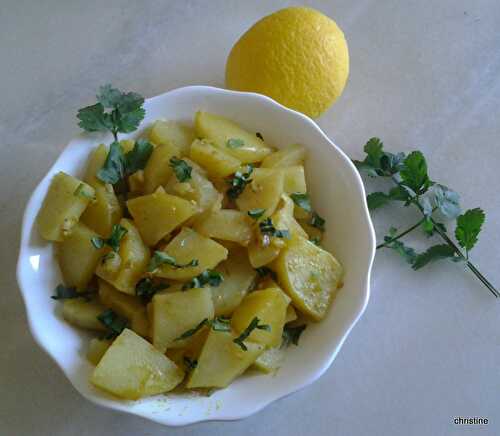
[435, 202]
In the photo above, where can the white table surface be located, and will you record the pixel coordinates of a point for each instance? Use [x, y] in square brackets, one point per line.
[423, 75]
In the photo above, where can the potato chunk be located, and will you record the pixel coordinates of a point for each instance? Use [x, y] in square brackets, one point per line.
[270, 360]
[94, 164]
[172, 133]
[132, 368]
[176, 312]
[286, 157]
[309, 275]
[130, 262]
[239, 276]
[77, 257]
[158, 170]
[221, 361]
[83, 313]
[185, 247]
[226, 224]
[97, 348]
[270, 307]
[65, 201]
[157, 214]
[294, 179]
[215, 161]
[106, 211]
[283, 218]
[128, 306]
[220, 130]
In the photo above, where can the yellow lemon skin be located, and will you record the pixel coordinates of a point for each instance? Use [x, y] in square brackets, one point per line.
[297, 56]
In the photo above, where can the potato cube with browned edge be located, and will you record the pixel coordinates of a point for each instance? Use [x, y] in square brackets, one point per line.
[124, 269]
[158, 169]
[132, 368]
[215, 161]
[309, 275]
[63, 205]
[157, 214]
[172, 133]
[174, 313]
[222, 360]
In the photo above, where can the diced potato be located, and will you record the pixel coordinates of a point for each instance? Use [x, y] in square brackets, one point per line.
[198, 189]
[77, 257]
[132, 368]
[105, 212]
[310, 276]
[158, 170]
[239, 277]
[83, 313]
[220, 130]
[215, 161]
[264, 192]
[136, 182]
[221, 361]
[176, 312]
[270, 360]
[283, 218]
[172, 133]
[270, 307]
[94, 164]
[128, 306]
[260, 255]
[191, 349]
[294, 178]
[291, 314]
[226, 224]
[185, 247]
[65, 201]
[157, 214]
[133, 259]
[312, 233]
[97, 348]
[286, 157]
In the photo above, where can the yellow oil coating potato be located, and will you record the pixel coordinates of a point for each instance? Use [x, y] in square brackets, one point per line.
[158, 170]
[309, 275]
[157, 214]
[63, 205]
[97, 348]
[185, 247]
[128, 306]
[270, 360]
[286, 157]
[294, 178]
[221, 361]
[132, 368]
[174, 313]
[264, 192]
[83, 313]
[269, 306]
[239, 277]
[172, 133]
[130, 261]
[220, 130]
[106, 211]
[94, 164]
[215, 161]
[226, 224]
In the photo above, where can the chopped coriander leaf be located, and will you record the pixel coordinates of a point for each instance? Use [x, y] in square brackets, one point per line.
[137, 158]
[113, 169]
[259, 135]
[114, 323]
[189, 363]
[145, 288]
[239, 181]
[256, 213]
[235, 143]
[436, 252]
[208, 277]
[302, 200]
[221, 324]
[81, 191]
[468, 227]
[181, 169]
[254, 324]
[161, 258]
[68, 292]
[191, 332]
[317, 221]
[267, 228]
[263, 271]
[291, 335]
[118, 232]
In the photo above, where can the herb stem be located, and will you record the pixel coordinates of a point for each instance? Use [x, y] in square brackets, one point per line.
[395, 238]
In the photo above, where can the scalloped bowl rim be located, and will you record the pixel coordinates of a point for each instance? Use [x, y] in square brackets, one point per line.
[219, 415]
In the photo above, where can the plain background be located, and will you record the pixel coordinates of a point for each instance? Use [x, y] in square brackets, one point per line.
[423, 75]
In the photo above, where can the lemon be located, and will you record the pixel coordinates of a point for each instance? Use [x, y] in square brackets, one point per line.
[297, 56]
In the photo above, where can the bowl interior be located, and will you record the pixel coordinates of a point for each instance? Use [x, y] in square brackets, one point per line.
[337, 193]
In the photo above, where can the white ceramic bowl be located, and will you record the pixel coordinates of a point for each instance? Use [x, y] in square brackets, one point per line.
[337, 192]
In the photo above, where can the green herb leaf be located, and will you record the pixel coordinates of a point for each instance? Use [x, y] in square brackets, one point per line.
[414, 173]
[259, 135]
[137, 158]
[145, 289]
[69, 292]
[317, 221]
[291, 335]
[377, 199]
[161, 258]
[114, 323]
[208, 277]
[117, 234]
[94, 119]
[254, 324]
[374, 152]
[239, 181]
[407, 253]
[114, 166]
[191, 332]
[189, 363]
[256, 213]
[302, 200]
[468, 228]
[81, 191]
[221, 324]
[181, 169]
[267, 228]
[436, 252]
[235, 143]
[264, 271]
